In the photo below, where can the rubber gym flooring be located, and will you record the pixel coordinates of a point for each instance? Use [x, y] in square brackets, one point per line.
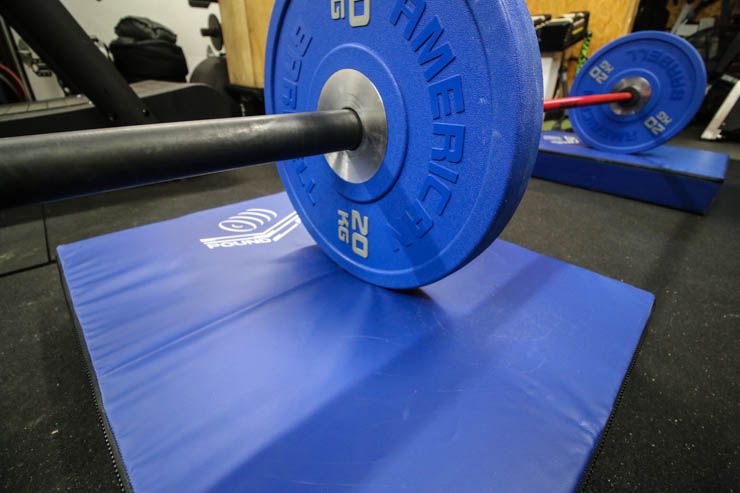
[675, 426]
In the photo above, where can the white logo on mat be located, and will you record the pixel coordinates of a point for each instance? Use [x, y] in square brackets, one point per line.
[564, 139]
[255, 226]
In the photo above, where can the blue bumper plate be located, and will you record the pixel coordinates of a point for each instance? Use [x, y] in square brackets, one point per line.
[675, 74]
[461, 85]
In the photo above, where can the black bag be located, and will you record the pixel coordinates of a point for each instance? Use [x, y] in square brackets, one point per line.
[146, 50]
[141, 28]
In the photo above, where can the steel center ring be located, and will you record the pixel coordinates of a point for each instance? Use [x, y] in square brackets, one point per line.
[350, 89]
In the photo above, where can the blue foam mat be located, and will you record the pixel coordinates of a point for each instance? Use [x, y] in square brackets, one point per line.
[686, 179]
[248, 361]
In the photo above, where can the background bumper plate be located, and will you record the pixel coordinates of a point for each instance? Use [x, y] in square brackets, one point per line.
[677, 78]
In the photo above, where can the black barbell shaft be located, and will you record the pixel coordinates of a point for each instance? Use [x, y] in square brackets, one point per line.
[43, 168]
[48, 167]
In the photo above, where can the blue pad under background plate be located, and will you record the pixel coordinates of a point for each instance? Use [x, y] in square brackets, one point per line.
[679, 177]
[230, 354]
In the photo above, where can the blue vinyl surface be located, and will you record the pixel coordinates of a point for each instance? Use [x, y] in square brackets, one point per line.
[678, 177]
[237, 359]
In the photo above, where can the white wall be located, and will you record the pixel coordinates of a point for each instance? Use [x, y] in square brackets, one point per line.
[98, 18]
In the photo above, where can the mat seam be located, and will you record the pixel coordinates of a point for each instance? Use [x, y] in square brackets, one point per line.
[46, 234]
[119, 467]
[584, 483]
[25, 269]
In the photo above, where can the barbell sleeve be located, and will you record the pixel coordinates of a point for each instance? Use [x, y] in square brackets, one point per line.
[48, 167]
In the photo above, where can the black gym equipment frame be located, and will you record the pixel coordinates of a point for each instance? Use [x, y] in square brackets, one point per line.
[62, 43]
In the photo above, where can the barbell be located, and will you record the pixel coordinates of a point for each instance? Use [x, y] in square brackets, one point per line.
[406, 130]
[48, 167]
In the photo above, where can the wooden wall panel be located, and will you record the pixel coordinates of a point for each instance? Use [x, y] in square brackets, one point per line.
[236, 41]
[258, 17]
[245, 24]
[713, 10]
[609, 20]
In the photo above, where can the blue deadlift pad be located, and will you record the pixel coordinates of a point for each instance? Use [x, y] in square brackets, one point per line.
[230, 354]
[686, 179]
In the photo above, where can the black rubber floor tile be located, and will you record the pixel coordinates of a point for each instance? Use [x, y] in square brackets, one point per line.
[22, 239]
[50, 439]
